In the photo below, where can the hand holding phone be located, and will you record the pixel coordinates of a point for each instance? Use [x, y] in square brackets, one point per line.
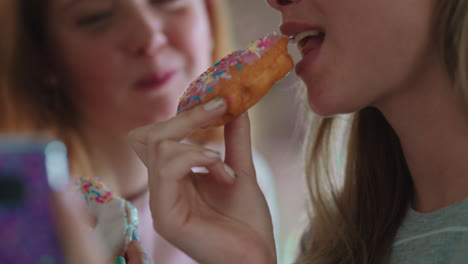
[42, 220]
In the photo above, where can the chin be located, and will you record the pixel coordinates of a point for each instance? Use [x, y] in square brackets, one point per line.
[328, 106]
[327, 97]
[322, 111]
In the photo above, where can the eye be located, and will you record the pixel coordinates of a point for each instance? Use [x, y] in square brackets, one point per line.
[169, 3]
[94, 18]
[285, 2]
[162, 1]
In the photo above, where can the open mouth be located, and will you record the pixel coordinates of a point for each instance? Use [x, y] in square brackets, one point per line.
[308, 40]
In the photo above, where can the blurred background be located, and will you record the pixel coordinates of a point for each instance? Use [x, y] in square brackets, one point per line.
[277, 125]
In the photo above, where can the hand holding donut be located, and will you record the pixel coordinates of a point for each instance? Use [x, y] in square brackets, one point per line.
[218, 217]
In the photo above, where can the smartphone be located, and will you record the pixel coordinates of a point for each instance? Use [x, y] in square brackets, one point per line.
[30, 168]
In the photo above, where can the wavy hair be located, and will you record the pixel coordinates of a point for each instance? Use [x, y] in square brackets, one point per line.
[29, 105]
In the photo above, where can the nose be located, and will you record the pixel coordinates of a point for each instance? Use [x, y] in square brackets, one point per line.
[147, 35]
[281, 4]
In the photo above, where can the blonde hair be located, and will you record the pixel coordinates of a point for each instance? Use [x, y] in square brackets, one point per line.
[29, 105]
[357, 221]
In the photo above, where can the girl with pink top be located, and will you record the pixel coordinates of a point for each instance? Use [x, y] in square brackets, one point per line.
[88, 72]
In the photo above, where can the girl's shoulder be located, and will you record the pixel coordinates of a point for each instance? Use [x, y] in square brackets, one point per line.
[437, 237]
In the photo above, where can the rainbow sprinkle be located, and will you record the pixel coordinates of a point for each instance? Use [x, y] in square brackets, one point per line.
[95, 190]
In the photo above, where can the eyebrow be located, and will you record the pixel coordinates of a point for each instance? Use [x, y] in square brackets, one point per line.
[70, 4]
[73, 3]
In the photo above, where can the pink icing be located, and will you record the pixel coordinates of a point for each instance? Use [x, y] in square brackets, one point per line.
[224, 69]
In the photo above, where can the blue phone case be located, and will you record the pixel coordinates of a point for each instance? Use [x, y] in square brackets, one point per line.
[29, 170]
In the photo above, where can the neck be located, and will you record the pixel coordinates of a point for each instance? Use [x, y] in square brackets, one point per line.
[431, 123]
[114, 161]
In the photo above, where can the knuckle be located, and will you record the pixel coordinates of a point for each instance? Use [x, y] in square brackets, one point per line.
[163, 146]
[151, 138]
[193, 116]
[150, 134]
[134, 137]
[133, 134]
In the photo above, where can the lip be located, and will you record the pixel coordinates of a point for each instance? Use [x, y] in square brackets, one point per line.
[155, 80]
[291, 28]
[310, 51]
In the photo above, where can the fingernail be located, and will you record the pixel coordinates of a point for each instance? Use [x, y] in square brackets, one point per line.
[214, 104]
[135, 235]
[230, 171]
[211, 154]
[120, 260]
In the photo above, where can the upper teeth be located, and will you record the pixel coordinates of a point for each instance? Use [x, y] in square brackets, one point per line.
[300, 36]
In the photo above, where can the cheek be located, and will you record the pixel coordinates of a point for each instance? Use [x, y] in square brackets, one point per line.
[370, 58]
[193, 38]
[89, 69]
[340, 84]
[89, 72]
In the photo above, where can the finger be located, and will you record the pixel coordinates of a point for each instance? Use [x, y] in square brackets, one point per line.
[78, 242]
[169, 179]
[136, 254]
[169, 149]
[178, 127]
[172, 157]
[239, 145]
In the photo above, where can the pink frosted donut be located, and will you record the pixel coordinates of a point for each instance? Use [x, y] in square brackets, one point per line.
[242, 78]
[116, 217]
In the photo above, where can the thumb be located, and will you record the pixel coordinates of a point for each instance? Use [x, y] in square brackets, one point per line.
[239, 145]
[136, 253]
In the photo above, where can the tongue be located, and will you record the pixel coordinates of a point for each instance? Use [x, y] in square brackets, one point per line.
[311, 43]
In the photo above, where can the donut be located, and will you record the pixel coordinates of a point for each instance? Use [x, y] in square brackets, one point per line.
[116, 217]
[242, 78]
